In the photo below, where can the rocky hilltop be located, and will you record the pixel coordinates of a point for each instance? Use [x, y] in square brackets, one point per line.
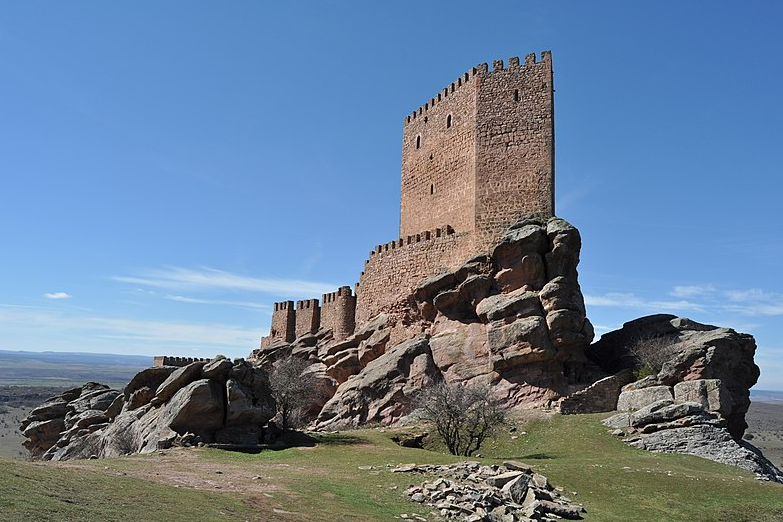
[513, 318]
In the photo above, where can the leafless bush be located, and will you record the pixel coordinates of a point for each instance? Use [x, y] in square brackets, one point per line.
[464, 415]
[293, 389]
[651, 353]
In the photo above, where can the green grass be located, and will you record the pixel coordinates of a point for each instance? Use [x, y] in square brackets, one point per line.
[42, 493]
[613, 481]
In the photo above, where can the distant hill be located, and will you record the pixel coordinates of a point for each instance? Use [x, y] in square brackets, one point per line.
[766, 395]
[68, 368]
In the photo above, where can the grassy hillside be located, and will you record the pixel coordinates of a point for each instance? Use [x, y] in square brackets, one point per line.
[331, 481]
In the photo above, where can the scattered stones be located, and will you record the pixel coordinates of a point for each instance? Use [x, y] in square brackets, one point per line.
[472, 492]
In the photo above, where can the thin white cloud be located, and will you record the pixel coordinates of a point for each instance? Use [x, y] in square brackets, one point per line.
[162, 335]
[629, 300]
[57, 295]
[692, 291]
[205, 278]
[221, 302]
[754, 302]
[752, 295]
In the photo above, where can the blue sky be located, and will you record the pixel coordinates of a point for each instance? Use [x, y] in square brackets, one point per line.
[171, 169]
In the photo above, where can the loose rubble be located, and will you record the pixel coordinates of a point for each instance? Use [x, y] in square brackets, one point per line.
[472, 492]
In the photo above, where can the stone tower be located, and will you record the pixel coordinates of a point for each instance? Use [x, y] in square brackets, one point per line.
[481, 153]
[475, 159]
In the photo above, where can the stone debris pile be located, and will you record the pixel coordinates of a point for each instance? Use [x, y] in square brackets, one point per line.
[472, 492]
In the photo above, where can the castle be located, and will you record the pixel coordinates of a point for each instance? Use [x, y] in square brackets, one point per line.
[475, 158]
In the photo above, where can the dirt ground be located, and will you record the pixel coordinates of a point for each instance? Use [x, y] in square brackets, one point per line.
[765, 429]
[10, 437]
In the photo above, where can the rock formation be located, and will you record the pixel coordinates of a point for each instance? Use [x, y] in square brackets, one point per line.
[514, 318]
[219, 401]
[696, 402]
[695, 352]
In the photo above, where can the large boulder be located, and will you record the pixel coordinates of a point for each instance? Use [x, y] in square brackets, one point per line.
[694, 352]
[178, 379]
[199, 408]
[383, 391]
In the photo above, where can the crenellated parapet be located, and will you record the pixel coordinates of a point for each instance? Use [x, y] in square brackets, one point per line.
[465, 78]
[165, 360]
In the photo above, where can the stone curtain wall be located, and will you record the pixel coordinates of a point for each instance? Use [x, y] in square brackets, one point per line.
[165, 360]
[515, 158]
[338, 312]
[438, 176]
[395, 269]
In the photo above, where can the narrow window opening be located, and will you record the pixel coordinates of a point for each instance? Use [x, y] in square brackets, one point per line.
[448, 121]
[418, 141]
[432, 189]
[516, 95]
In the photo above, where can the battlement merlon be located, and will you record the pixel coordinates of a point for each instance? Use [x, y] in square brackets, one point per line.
[480, 69]
[283, 305]
[306, 303]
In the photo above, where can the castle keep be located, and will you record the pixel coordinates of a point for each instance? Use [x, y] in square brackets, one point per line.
[475, 158]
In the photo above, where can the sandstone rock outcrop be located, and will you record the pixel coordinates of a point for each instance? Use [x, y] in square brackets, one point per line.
[220, 402]
[688, 427]
[720, 357]
[514, 318]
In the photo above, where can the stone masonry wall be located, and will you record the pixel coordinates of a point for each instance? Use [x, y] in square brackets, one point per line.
[396, 268]
[480, 154]
[165, 360]
[308, 317]
[515, 149]
[438, 161]
[338, 312]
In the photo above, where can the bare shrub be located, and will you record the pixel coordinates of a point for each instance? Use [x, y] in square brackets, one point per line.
[651, 353]
[294, 389]
[464, 415]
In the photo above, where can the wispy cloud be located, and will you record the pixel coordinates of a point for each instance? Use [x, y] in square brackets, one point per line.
[205, 278]
[629, 300]
[57, 295]
[160, 335]
[692, 291]
[700, 298]
[221, 302]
